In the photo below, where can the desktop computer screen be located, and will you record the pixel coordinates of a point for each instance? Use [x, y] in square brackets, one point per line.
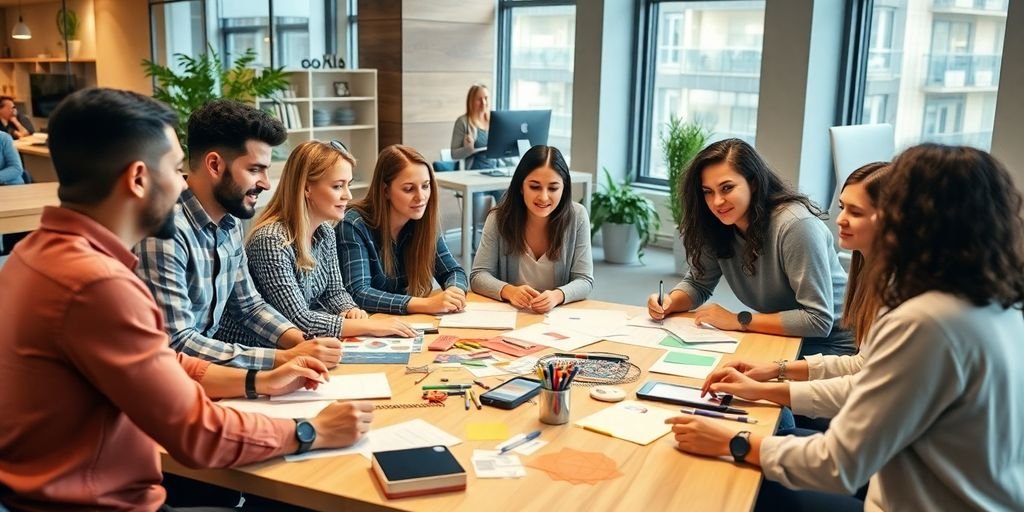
[508, 126]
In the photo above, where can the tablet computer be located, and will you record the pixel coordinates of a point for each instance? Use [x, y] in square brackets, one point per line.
[685, 395]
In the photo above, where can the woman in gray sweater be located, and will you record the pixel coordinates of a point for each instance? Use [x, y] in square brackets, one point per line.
[777, 255]
[935, 415]
[535, 251]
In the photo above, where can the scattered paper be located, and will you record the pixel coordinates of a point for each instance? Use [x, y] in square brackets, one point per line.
[686, 363]
[527, 448]
[286, 410]
[410, 434]
[594, 322]
[554, 336]
[640, 336]
[684, 329]
[525, 364]
[482, 315]
[630, 420]
[489, 370]
[486, 431]
[360, 386]
[577, 467]
[491, 464]
[672, 342]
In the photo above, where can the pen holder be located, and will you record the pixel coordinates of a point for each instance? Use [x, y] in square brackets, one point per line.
[554, 406]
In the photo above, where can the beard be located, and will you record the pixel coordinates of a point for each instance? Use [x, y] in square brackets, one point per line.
[159, 222]
[232, 198]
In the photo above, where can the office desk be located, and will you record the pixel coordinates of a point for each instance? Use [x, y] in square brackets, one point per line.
[654, 477]
[469, 182]
[36, 159]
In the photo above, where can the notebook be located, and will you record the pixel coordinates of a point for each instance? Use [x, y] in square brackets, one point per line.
[418, 471]
[633, 421]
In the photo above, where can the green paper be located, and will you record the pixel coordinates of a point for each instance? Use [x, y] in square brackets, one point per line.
[690, 359]
[672, 341]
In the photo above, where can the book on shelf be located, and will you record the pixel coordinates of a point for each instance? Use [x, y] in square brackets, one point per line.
[418, 471]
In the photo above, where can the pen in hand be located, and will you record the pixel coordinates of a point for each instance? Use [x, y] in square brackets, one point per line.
[661, 293]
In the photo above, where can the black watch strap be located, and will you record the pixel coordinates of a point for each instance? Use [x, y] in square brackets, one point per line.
[250, 385]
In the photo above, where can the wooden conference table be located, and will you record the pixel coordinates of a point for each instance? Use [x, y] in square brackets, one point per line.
[470, 182]
[654, 477]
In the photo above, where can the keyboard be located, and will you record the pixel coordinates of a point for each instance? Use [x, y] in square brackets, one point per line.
[500, 172]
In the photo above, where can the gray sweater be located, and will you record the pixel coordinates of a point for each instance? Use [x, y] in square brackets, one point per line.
[934, 418]
[495, 266]
[797, 274]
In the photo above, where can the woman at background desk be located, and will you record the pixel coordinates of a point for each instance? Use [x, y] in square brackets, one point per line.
[768, 241]
[469, 135]
[292, 248]
[535, 251]
[390, 244]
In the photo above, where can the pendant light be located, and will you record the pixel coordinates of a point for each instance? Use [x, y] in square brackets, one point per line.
[21, 30]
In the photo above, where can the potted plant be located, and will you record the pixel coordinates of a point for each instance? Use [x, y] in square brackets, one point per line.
[203, 78]
[67, 26]
[627, 220]
[680, 142]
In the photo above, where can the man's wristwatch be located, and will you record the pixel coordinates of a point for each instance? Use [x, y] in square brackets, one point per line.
[744, 318]
[739, 446]
[250, 385]
[305, 434]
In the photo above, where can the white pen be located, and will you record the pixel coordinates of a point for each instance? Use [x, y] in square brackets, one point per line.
[713, 414]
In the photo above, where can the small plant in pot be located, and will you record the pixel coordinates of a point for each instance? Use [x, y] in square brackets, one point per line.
[680, 142]
[67, 26]
[627, 220]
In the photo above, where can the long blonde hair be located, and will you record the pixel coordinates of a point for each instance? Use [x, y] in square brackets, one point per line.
[472, 116]
[860, 307]
[306, 164]
[376, 212]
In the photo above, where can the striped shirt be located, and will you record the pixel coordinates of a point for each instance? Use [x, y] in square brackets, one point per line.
[362, 268]
[314, 300]
[199, 277]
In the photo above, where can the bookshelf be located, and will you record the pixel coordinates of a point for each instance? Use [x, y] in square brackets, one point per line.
[312, 109]
[14, 78]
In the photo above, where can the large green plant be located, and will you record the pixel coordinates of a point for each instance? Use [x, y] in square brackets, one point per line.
[680, 142]
[67, 24]
[204, 78]
[621, 204]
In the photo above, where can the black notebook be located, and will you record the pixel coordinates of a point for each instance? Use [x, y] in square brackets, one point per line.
[416, 471]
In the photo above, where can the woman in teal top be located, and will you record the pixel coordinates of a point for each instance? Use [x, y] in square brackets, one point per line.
[535, 251]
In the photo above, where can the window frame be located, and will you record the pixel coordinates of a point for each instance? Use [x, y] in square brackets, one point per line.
[503, 35]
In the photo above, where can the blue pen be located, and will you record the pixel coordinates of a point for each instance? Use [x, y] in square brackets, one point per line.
[515, 444]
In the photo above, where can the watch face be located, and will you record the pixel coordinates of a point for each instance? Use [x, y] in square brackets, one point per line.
[739, 446]
[305, 432]
[744, 317]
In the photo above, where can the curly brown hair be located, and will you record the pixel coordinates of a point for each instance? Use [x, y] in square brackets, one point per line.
[949, 221]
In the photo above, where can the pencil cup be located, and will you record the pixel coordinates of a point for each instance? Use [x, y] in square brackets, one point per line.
[554, 406]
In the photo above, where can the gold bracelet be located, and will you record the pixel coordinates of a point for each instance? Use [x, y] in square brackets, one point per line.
[782, 368]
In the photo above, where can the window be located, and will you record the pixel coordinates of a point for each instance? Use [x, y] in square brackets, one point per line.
[537, 40]
[704, 66]
[932, 69]
[176, 27]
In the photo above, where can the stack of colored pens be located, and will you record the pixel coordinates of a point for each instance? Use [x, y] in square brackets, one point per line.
[557, 376]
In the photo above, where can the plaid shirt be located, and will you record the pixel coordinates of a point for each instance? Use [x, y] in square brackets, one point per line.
[364, 274]
[313, 300]
[201, 275]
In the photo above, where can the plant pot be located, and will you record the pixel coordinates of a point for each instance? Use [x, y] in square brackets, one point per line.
[621, 243]
[74, 48]
[679, 255]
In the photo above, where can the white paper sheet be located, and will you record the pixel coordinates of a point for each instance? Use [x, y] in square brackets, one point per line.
[286, 410]
[554, 336]
[696, 371]
[489, 464]
[360, 386]
[524, 364]
[410, 434]
[482, 315]
[594, 322]
[633, 421]
[686, 330]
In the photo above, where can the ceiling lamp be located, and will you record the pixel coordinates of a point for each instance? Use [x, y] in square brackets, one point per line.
[21, 30]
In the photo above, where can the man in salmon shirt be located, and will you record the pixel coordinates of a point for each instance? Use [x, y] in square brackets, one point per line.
[88, 383]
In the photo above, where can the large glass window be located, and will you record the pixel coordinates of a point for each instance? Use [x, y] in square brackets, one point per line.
[176, 27]
[539, 41]
[704, 66]
[932, 69]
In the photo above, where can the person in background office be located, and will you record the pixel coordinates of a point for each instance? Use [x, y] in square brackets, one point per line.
[535, 251]
[11, 170]
[201, 274]
[768, 241]
[469, 135]
[293, 252]
[12, 122]
[935, 415]
[390, 242]
[88, 384]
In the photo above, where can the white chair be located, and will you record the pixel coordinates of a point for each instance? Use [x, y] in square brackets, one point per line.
[852, 147]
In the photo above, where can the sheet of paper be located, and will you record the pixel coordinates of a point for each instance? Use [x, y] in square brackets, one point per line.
[482, 315]
[527, 448]
[554, 336]
[286, 410]
[686, 363]
[360, 386]
[385, 345]
[630, 420]
[491, 370]
[640, 336]
[410, 434]
[594, 322]
[486, 431]
[489, 464]
[684, 329]
[671, 342]
[524, 364]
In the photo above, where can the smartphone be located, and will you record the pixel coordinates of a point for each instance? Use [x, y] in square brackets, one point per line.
[511, 393]
[686, 395]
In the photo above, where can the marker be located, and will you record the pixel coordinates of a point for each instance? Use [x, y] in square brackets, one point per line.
[661, 293]
[519, 442]
[712, 414]
[445, 387]
[465, 398]
[481, 384]
[476, 399]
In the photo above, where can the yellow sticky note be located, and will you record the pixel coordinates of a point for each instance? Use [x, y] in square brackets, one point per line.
[486, 432]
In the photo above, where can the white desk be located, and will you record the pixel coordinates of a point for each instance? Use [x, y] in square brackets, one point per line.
[469, 182]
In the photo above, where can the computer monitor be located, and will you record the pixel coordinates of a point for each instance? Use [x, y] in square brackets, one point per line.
[509, 126]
